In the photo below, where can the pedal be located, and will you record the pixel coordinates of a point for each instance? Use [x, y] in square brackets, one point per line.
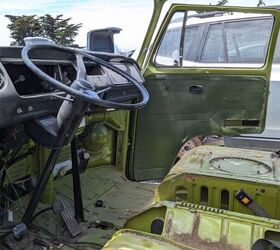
[67, 216]
[247, 201]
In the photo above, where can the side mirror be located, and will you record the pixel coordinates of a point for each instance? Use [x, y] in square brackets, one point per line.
[102, 40]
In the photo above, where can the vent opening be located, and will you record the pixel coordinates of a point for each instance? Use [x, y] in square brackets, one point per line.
[181, 194]
[225, 199]
[204, 195]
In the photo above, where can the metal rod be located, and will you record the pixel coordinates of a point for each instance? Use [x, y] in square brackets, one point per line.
[27, 217]
[78, 199]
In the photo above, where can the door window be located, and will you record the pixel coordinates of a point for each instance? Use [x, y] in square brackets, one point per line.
[216, 39]
[169, 50]
[247, 41]
[213, 51]
[190, 37]
[276, 58]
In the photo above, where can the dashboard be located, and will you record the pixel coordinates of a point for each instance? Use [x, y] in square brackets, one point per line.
[24, 96]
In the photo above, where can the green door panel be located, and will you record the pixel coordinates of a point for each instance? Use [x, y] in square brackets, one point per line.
[233, 101]
[174, 113]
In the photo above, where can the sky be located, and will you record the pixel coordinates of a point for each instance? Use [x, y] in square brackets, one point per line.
[132, 16]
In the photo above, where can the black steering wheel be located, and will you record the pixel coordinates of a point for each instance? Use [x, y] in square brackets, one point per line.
[81, 88]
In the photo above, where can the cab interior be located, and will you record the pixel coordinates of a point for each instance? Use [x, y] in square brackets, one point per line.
[70, 178]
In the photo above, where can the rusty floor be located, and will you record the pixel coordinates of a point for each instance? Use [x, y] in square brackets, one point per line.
[121, 200]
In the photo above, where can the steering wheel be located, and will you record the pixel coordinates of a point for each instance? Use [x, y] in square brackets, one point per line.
[81, 88]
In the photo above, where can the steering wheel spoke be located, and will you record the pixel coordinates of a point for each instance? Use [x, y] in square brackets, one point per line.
[81, 67]
[102, 91]
[92, 94]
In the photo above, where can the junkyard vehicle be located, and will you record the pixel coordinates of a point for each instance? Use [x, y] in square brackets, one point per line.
[80, 159]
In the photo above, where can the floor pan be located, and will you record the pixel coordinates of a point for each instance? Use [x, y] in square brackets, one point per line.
[120, 199]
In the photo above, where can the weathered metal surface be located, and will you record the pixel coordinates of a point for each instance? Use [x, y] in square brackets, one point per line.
[251, 165]
[98, 141]
[111, 131]
[136, 240]
[121, 200]
[194, 234]
[199, 141]
[104, 135]
[201, 227]
[192, 143]
[211, 175]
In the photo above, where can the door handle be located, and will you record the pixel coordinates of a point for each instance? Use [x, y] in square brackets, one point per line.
[196, 89]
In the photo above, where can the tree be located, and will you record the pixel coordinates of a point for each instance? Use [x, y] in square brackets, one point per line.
[59, 29]
[56, 28]
[23, 26]
[222, 2]
[261, 3]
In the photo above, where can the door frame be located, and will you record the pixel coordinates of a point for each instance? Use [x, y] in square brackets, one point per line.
[148, 66]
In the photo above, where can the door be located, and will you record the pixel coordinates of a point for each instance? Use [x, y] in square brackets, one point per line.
[206, 75]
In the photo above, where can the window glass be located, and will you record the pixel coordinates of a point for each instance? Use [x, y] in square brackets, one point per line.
[169, 50]
[213, 51]
[247, 41]
[232, 48]
[190, 36]
[276, 58]
[222, 39]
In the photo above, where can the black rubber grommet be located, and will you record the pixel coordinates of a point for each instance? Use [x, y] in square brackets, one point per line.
[99, 203]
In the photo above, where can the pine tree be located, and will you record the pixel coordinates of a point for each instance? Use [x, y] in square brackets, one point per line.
[23, 26]
[59, 29]
[55, 28]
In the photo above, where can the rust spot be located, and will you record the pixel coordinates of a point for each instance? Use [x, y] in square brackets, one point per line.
[194, 142]
[193, 240]
[168, 226]
[188, 177]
